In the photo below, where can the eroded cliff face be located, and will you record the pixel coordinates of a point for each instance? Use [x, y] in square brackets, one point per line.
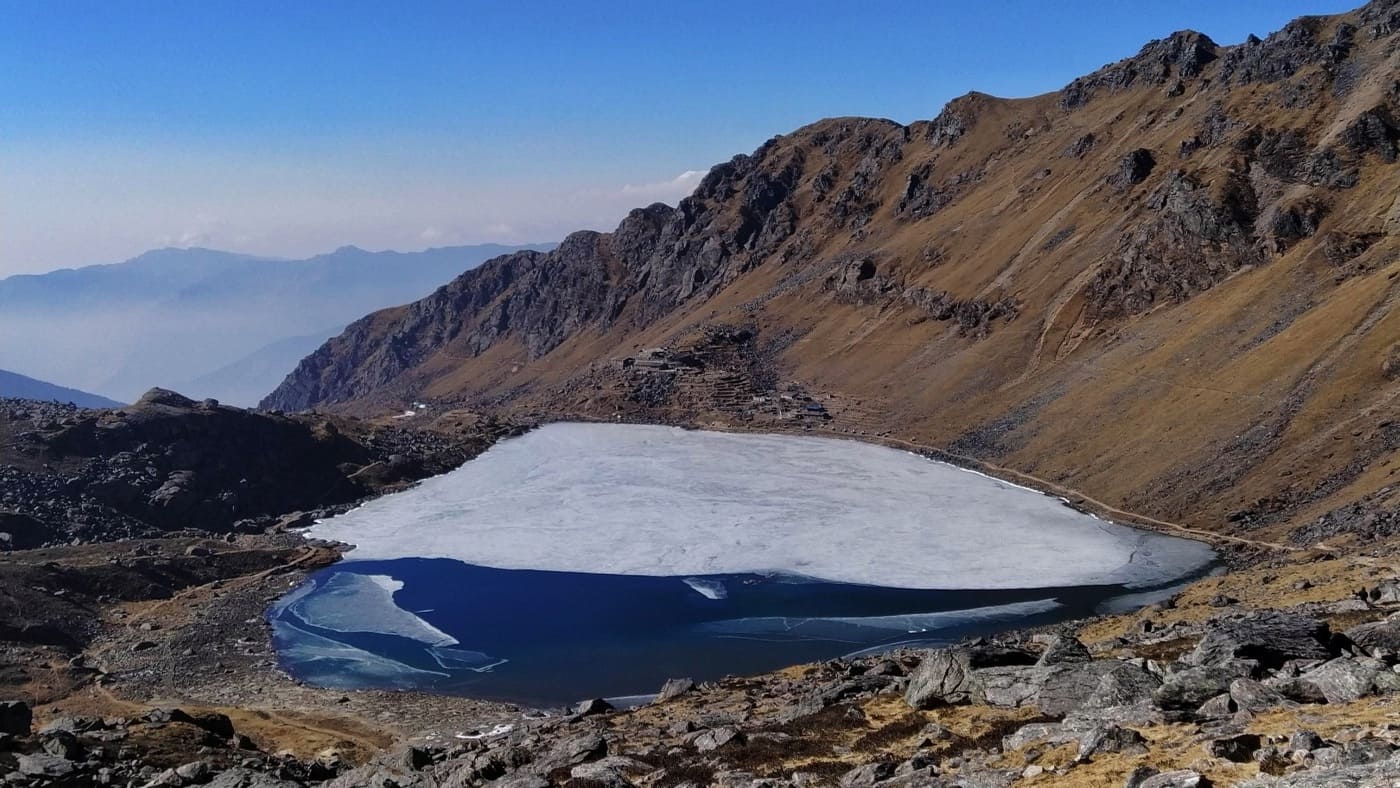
[1168, 285]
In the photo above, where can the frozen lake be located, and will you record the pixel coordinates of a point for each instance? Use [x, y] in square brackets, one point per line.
[597, 559]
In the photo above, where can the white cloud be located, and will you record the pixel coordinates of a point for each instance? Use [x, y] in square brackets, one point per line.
[666, 191]
[201, 230]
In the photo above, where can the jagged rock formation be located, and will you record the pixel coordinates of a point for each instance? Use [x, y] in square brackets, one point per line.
[1198, 240]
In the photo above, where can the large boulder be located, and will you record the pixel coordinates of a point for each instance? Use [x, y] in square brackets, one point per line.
[22, 532]
[1239, 748]
[1064, 649]
[589, 708]
[1104, 739]
[44, 766]
[1352, 775]
[1380, 639]
[868, 774]
[1268, 637]
[948, 677]
[1252, 696]
[674, 688]
[1125, 684]
[1054, 689]
[16, 719]
[1188, 689]
[1011, 687]
[944, 678]
[1071, 685]
[1344, 680]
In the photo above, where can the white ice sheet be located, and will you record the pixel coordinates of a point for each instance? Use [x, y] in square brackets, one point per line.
[648, 500]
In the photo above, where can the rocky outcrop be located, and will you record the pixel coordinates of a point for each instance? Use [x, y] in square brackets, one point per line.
[1189, 239]
[1182, 55]
[168, 462]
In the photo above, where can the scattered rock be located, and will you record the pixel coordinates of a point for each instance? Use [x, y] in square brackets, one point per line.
[868, 774]
[589, 708]
[674, 688]
[1266, 636]
[1064, 649]
[1344, 679]
[44, 766]
[1188, 689]
[1109, 738]
[1239, 749]
[1180, 778]
[714, 738]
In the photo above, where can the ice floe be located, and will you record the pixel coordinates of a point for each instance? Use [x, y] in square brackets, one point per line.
[351, 602]
[660, 501]
[331, 663]
[464, 659]
[861, 629]
[707, 587]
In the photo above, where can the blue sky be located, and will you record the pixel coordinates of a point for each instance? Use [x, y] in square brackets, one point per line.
[289, 128]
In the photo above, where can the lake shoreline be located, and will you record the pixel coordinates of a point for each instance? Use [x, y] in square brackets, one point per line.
[141, 678]
[693, 502]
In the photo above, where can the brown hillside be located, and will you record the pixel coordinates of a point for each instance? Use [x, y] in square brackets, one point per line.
[1170, 285]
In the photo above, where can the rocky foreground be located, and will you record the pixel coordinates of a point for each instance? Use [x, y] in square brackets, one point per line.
[148, 662]
[1286, 673]
[135, 652]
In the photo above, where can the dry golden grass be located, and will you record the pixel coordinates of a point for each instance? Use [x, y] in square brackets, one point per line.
[1138, 412]
[1262, 587]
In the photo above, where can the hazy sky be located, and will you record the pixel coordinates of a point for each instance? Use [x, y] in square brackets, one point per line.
[292, 128]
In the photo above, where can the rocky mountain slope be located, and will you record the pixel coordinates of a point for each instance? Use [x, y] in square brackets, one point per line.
[16, 386]
[1169, 285]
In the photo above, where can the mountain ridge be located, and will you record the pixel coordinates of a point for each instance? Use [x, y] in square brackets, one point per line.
[1198, 239]
[174, 317]
[16, 386]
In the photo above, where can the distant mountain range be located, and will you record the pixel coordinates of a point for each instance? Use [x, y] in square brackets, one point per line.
[204, 322]
[21, 387]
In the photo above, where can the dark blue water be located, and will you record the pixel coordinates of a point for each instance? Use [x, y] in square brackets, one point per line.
[551, 638]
